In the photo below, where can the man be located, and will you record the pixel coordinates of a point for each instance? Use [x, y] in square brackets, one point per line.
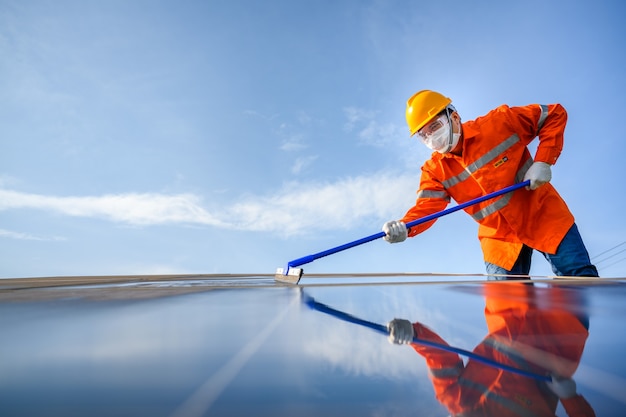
[482, 156]
[537, 330]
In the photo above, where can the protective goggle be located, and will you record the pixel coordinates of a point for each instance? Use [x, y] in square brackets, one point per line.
[432, 127]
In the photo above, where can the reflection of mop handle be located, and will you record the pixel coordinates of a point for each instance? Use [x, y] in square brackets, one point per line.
[310, 301]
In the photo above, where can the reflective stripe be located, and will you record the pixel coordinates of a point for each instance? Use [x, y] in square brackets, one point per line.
[448, 372]
[492, 208]
[519, 176]
[542, 118]
[458, 179]
[483, 389]
[433, 194]
[482, 161]
[504, 200]
[511, 405]
[511, 353]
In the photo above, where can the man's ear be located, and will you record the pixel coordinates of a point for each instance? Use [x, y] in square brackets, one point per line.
[456, 118]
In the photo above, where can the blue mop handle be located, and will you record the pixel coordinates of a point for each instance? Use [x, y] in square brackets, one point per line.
[310, 258]
[323, 308]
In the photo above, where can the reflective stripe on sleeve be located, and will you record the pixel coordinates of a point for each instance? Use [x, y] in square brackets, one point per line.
[542, 117]
[433, 194]
[452, 372]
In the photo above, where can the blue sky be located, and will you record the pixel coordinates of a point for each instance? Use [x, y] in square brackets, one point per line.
[158, 137]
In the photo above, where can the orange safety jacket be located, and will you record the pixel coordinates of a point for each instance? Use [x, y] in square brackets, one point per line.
[495, 156]
[539, 340]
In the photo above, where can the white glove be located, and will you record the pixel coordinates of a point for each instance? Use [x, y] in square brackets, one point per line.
[562, 387]
[400, 332]
[539, 173]
[395, 231]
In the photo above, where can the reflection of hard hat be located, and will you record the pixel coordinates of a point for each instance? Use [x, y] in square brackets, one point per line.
[422, 107]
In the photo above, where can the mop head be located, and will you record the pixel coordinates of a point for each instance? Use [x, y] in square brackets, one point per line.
[290, 276]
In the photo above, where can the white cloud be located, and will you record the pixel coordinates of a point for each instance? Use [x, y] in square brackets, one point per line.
[132, 208]
[293, 144]
[361, 352]
[340, 205]
[301, 163]
[356, 115]
[8, 181]
[254, 113]
[295, 209]
[303, 118]
[381, 135]
[372, 132]
[26, 236]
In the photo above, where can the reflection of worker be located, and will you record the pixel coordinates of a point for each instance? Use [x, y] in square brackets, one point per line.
[521, 335]
[478, 157]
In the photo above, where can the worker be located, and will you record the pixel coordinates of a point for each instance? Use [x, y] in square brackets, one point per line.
[530, 330]
[485, 155]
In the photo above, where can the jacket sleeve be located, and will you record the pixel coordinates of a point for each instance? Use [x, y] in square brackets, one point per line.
[445, 368]
[545, 121]
[577, 406]
[431, 198]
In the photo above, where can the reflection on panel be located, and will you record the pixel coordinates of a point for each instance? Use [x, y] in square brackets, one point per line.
[404, 349]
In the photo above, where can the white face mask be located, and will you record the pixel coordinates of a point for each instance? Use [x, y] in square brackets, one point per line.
[438, 135]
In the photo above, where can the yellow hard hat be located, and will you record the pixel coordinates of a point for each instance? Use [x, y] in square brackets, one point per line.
[422, 107]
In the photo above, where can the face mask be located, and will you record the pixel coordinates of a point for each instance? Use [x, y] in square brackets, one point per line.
[437, 135]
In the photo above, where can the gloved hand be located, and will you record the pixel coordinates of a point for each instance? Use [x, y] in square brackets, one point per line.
[400, 332]
[562, 387]
[539, 173]
[395, 231]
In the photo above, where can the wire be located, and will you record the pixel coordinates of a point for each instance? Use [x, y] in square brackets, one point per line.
[610, 256]
[608, 250]
[611, 264]
[597, 261]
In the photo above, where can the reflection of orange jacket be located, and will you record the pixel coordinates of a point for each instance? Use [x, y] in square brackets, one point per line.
[520, 335]
[495, 156]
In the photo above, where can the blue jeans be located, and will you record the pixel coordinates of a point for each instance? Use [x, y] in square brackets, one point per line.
[571, 259]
